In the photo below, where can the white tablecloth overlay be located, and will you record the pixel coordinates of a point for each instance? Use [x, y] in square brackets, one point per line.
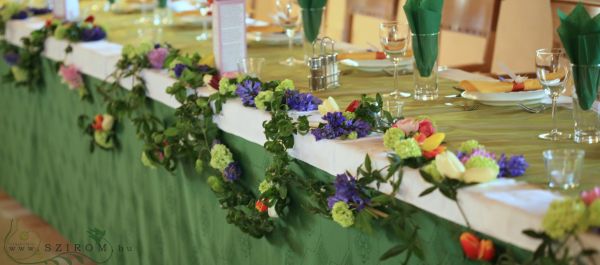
[501, 209]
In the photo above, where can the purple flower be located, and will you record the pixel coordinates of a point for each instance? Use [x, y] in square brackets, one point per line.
[514, 166]
[203, 68]
[178, 69]
[157, 57]
[346, 190]
[156, 45]
[232, 172]
[337, 125]
[301, 101]
[11, 58]
[93, 34]
[39, 11]
[247, 91]
[476, 152]
[20, 15]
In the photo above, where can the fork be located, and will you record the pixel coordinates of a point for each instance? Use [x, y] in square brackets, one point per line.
[466, 106]
[537, 109]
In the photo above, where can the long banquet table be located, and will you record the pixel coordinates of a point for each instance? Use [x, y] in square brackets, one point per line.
[173, 218]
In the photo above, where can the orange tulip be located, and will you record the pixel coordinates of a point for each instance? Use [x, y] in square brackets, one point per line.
[470, 245]
[486, 250]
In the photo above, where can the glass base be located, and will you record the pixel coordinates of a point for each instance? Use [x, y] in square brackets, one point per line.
[291, 61]
[398, 94]
[426, 96]
[565, 186]
[203, 36]
[591, 136]
[555, 136]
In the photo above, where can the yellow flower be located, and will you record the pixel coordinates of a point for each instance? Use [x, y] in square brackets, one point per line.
[328, 105]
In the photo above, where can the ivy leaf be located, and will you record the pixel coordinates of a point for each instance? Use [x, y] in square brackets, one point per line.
[394, 251]
[171, 132]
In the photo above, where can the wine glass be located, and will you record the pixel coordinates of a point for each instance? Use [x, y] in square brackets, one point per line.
[204, 6]
[288, 17]
[394, 37]
[552, 69]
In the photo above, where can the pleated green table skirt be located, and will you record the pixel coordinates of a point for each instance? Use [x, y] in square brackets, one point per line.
[166, 218]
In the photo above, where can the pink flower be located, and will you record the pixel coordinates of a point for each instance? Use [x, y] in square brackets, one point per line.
[70, 76]
[157, 57]
[591, 195]
[408, 125]
[426, 127]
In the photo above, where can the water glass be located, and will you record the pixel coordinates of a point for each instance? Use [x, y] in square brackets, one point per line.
[425, 47]
[251, 66]
[587, 122]
[564, 167]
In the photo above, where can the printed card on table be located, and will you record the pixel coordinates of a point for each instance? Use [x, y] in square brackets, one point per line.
[66, 9]
[229, 33]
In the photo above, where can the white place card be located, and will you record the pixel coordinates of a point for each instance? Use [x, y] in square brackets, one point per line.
[229, 33]
[66, 9]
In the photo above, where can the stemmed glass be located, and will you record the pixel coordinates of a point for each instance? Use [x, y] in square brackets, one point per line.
[288, 17]
[394, 37]
[552, 68]
[204, 7]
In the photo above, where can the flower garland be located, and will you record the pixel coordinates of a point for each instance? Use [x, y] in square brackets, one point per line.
[17, 11]
[349, 201]
[101, 130]
[71, 77]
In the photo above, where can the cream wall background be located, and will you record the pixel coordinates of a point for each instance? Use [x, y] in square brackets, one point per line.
[523, 27]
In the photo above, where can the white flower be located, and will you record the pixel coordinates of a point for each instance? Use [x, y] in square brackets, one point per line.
[272, 212]
[449, 165]
[107, 122]
[328, 105]
[479, 175]
[206, 79]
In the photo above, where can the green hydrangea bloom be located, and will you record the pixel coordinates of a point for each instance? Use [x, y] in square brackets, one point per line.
[407, 148]
[225, 88]
[349, 115]
[146, 161]
[392, 137]
[482, 161]
[101, 138]
[263, 99]
[432, 170]
[352, 136]
[9, 10]
[215, 184]
[128, 51]
[469, 146]
[264, 186]
[143, 49]
[19, 73]
[61, 31]
[564, 216]
[220, 157]
[342, 214]
[286, 84]
[594, 213]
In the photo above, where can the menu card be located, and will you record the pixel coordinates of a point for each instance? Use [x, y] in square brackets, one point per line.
[66, 9]
[229, 33]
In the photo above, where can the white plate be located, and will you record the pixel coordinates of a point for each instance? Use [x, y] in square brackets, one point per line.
[506, 99]
[376, 65]
[272, 38]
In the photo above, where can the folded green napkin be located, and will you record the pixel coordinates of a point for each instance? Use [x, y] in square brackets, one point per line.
[424, 17]
[312, 13]
[580, 35]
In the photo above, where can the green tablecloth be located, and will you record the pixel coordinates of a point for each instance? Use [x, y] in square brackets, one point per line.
[501, 129]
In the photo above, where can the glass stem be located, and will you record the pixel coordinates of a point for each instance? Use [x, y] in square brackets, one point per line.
[396, 90]
[290, 34]
[554, 118]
